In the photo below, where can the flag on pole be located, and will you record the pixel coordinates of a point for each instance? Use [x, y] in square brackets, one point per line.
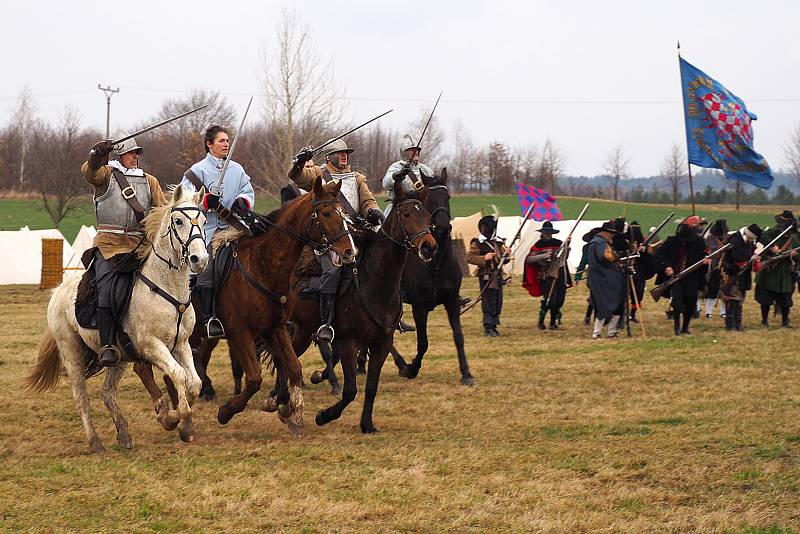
[545, 207]
[719, 129]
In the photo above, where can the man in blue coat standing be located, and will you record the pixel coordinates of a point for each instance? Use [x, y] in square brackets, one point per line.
[236, 195]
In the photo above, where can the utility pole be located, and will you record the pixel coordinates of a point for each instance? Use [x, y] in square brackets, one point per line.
[109, 93]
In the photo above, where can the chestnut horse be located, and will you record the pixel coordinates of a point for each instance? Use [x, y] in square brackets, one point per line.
[254, 302]
[368, 307]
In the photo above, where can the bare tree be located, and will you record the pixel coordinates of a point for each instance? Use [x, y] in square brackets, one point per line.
[23, 122]
[303, 104]
[461, 159]
[55, 162]
[792, 153]
[500, 169]
[616, 168]
[526, 164]
[552, 163]
[433, 140]
[673, 171]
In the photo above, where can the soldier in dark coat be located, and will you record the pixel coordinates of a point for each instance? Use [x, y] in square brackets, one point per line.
[737, 273]
[583, 272]
[716, 238]
[676, 254]
[544, 277]
[607, 281]
[485, 252]
[774, 282]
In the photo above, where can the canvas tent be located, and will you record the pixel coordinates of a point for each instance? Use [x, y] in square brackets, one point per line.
[466, 228]
[21, 255]
[83, 241]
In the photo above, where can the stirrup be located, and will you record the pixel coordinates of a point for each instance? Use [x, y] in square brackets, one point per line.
[325, 333]
[216, 325]
[107, 363]
[402, 327]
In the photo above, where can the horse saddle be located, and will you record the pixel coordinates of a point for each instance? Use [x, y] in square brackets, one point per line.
[122, 275]
[309, 274]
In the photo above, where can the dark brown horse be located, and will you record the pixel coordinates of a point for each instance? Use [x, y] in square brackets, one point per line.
[255, 302]
[368, 307]
[429, 284]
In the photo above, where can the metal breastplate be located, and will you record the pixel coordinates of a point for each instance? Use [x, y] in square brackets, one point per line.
[349, 189]
[113, 211]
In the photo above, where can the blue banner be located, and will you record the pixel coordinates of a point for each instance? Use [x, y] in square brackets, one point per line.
[719, 129]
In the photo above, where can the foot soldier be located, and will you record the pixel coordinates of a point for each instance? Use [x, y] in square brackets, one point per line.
[774, 280]
[607, 281]
[485, 252]
[736, 273]
[236, 196]
[677, 253]
[357, 201]
[716, 237]
[544, 277]
[583, 272]
[122, 195]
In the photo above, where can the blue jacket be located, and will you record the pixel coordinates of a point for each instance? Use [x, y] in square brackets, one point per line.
[237, 185]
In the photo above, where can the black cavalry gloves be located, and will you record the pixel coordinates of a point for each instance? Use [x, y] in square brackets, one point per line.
[374, 216]
[99, 154]
[402, 173]
[305, 154]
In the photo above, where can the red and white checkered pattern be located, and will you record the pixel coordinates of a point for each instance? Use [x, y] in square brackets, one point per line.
[728, 118]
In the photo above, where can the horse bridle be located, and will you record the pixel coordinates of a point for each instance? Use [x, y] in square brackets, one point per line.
[325, 243]
[408, 239]
[194, 221]
[440, 208]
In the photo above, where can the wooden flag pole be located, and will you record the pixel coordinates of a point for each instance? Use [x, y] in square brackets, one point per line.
[688, 163]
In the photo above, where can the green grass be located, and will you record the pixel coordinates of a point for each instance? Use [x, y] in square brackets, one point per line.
[17, 213]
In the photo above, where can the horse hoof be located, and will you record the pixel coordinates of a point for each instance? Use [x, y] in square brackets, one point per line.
[271, 404]
[408, 372]
[319, 419]
[225, 414]
[96, 447]
[368, 429]
[336, 390]
[187, 436]
[209, 396]
[467, 381]
[295, 430]
[316, 377]
[125, 442]
[284, 410]
[168, 420]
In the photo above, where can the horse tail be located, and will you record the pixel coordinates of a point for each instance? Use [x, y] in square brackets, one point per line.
[48, 366]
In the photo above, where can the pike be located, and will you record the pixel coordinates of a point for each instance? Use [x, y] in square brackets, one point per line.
[152, 127]
[503, 258]
[658, 228]
[562, 254]
[318, 149]
[216, 188]
[658, 291]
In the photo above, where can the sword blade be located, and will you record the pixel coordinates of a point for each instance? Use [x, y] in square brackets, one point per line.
[217, 187]
[419, 142]
[154, 126]
[318, 149]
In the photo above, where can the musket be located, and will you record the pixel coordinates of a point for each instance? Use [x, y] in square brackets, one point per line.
[92, 152]
[419, 141]
[317, 150]
[658, 291]
[216, 188]
[782, 256]
[658, 228]
[562, 254]
[503, 258]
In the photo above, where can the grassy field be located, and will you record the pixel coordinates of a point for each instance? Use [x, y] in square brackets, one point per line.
[15, 213]
[561, 434]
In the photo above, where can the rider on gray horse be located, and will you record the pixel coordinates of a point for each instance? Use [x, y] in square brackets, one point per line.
[357, 201]
[120, 204]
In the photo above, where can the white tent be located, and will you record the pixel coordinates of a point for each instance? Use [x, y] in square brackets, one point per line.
[466, 228]
[83, 241]
[21, 255]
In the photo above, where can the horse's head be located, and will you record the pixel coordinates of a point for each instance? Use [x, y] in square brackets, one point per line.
[408, 223]
[438, 204]
[328, 223]
[181, 237]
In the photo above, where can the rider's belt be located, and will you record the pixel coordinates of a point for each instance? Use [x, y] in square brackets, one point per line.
[114, 229]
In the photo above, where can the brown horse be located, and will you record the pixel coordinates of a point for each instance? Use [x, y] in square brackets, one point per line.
[254, 302]
[368, 307]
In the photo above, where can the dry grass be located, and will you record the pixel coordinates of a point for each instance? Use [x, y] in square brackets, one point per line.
[561, 434]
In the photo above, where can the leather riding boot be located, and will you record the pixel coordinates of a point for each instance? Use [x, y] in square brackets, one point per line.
[213, 326]
[542, 315]
[738, 317]
[588, 317]
[109, 354]
[729, 322]
[676, 319]
[327, 305]
[687, 318]
[554, 319]
[765, 314]
[784, 316]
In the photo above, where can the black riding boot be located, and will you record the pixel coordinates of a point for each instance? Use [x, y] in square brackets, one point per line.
[738, 317]
[327, 306]
[587, 319]
[784, 316]
[542, 315]
[765, 314]
[109, 353]
[687, 318]
[554, 319]
[729, 314]
[676, 319]
[213, 326]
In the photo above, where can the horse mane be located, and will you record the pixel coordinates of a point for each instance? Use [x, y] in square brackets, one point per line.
[152, 224]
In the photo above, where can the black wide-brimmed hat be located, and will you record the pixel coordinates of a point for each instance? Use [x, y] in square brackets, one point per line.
[719, 228]
[588, 236]
[609, 226]
[547, 228]
[487, 221]
[786, 217]
[754, 229]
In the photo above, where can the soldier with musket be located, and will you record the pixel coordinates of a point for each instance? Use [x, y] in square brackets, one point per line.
[677, 253]
[607, 281]
[236, 196]
[737, 265]
[357, 201]
[485, 251]
[774, 282]
[544, 276]
[123, 193]
[716, 237]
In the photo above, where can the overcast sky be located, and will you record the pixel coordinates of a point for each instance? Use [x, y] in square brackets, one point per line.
[586, 74]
